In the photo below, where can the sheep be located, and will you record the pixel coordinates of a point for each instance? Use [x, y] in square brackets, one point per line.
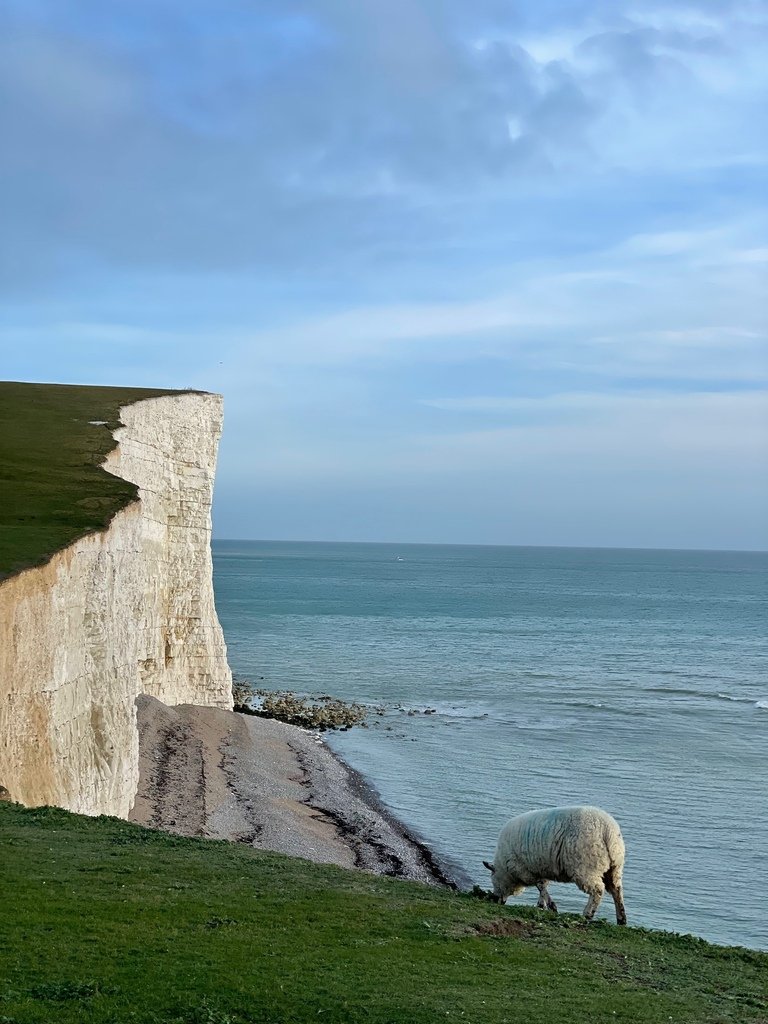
[562, 844]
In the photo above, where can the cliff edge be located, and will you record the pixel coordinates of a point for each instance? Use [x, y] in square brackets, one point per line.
[123, 611]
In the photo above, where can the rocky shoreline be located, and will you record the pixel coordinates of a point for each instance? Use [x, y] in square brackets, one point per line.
[223, 775]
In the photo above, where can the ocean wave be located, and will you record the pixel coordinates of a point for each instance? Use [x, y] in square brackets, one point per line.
[547, 723]
[681, 691]
[442, 709]
[762, 704]
[685, 674]
[603, 707]
[549, 717]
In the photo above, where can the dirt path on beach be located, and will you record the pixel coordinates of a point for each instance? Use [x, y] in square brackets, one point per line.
[214, 773]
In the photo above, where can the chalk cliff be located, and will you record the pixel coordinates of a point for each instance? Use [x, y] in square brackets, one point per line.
[122, 612]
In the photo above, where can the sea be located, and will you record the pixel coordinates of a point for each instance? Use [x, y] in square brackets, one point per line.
[502, 679]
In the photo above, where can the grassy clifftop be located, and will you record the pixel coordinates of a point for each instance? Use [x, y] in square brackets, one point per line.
[53, 438]
[103, 921]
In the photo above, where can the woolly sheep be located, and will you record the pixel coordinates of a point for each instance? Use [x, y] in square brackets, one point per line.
[562, 844]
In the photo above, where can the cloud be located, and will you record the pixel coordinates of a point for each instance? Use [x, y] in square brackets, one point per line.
[673, 243]
[674, 306]
[696, 431]
[633, 422]
[170, 143]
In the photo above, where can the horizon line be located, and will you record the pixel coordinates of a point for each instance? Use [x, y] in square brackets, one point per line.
[476, 544]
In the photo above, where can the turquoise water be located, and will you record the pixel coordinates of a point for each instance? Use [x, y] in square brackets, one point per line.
[635, 680]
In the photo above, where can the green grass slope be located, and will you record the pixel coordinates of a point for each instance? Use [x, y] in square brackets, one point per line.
[103, 921]
[53, 489]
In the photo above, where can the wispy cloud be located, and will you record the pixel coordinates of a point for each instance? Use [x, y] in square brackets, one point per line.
[191, 153]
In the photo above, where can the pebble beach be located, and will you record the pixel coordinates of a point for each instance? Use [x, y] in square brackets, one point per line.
[224, 775]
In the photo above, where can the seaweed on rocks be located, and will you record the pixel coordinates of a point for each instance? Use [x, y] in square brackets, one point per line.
[319, 713]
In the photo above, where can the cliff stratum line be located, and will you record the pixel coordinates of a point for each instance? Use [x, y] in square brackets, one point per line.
[126, 607]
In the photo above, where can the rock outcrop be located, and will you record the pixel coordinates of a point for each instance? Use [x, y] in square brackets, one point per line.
[122, 612]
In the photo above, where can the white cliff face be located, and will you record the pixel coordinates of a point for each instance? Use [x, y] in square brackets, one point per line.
[119, 613]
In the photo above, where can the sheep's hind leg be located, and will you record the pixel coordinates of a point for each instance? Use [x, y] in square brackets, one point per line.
[545, 901]
[613, 885]
[595, 891]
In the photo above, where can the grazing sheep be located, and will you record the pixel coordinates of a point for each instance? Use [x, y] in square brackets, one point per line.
[563, 844]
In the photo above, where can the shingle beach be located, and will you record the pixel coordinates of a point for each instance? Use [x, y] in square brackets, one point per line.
[223, 775]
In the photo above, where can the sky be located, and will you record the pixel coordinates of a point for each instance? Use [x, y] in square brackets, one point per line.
[488, 272]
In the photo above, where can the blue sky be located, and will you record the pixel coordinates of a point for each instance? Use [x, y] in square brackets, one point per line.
[485, 272]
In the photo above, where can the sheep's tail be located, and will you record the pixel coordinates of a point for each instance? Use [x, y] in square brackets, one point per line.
[612, 877]
[614, 843]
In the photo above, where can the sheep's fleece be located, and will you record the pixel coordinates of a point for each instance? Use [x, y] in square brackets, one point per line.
[561, 844]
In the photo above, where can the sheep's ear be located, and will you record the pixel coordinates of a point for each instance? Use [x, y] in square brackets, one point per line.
[487, 865]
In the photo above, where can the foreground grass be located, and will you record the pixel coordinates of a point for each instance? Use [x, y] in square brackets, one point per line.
[51, 449]
[103, 921]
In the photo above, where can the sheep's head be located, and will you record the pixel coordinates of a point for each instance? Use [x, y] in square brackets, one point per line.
[500, 891]
[497, 895]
